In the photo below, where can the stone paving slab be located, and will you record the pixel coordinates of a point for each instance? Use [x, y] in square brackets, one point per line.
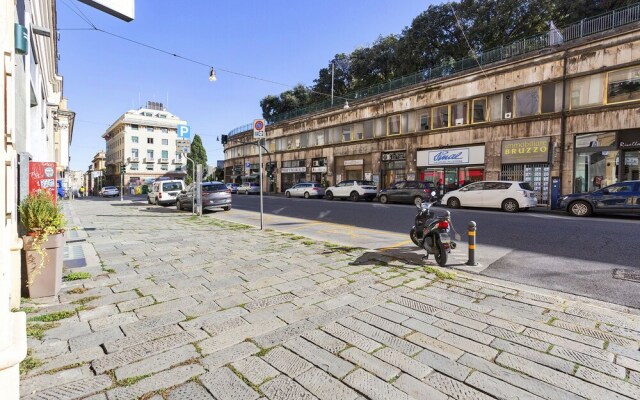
[292, 320]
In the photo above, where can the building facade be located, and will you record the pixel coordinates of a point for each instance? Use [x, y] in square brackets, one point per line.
[564, 118]
[145, 144]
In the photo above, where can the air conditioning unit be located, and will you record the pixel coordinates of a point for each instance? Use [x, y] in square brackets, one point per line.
[459, 121]
[507, 115]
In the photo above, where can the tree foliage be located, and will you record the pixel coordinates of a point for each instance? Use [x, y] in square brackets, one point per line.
[442, 33]
[199, 156]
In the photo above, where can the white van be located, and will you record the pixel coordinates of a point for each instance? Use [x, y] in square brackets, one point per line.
[164, 192]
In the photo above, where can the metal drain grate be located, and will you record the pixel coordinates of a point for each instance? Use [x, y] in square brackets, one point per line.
[627, 274]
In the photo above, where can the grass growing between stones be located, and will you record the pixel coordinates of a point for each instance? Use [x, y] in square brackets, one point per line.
[78, 290]
[37, 330]
[245, 380]
[439, 273]
[27, 310]
[76, 276]
[109, 270]
[56, 316]
[70, 366]
[132, 380]
[308, 242]
[29, 363]
[85, 300]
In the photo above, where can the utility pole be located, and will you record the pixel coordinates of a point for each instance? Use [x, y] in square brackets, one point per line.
[333, 66]
[193, 171]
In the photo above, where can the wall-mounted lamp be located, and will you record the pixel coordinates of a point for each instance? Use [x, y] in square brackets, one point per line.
[212, 75]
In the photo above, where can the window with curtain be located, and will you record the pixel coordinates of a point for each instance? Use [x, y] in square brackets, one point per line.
[393, 125]
[527, 102]
[368, 129]
[459, 113]
[587, 91]
[441, 117]
[425, 120]
[479, 113]
[346, 133]
[358, 131]
[623, 85]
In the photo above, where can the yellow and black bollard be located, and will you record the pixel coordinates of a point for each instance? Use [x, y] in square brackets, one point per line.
[472, 244]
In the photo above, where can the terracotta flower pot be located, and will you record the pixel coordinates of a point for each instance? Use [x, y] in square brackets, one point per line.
[45, 278]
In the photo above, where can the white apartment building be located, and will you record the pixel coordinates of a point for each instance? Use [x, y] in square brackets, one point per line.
[146, 143]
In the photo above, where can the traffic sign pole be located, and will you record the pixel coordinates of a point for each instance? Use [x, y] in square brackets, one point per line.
[259, 132]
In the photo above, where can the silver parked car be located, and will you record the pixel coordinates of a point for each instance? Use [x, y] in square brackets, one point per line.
[249, 188]
[214, 195]
[306, 190]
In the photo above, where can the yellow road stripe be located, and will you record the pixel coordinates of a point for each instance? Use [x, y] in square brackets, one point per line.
[395, 245]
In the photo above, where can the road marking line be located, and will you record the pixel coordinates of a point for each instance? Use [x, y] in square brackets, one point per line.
[395, 245]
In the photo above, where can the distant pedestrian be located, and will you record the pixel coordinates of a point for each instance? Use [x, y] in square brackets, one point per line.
[81, 191]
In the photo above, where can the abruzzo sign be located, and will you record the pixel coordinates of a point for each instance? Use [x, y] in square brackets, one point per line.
[455, 156]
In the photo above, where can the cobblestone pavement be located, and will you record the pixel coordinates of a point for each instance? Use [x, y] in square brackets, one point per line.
[184, 308]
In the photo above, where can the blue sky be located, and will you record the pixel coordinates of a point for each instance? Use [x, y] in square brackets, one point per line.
[277, 40]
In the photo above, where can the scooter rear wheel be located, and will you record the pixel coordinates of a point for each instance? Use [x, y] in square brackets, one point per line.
[414, 239]
[440, 254]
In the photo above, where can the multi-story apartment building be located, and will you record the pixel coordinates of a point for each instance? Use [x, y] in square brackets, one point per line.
[560, 111]
[145, 142]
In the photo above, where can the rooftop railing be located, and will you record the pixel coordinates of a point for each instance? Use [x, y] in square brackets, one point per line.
[553, 37]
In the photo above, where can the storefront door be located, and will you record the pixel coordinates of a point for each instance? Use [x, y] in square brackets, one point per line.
[631, 170]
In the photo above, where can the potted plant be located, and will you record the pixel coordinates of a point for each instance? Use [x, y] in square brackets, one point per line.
[43, 243]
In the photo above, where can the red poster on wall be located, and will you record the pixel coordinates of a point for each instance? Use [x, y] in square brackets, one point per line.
[42, 176]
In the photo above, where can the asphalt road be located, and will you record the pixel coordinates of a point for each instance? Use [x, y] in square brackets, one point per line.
[545, 249]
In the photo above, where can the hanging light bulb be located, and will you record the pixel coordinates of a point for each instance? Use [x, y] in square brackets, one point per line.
[212, 75]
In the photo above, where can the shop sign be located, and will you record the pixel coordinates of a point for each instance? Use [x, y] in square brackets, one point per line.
[293, 170]
[354, 162]
[319, 169]
[629, 140]
[397, 156]
[523, 151]
[456, 156]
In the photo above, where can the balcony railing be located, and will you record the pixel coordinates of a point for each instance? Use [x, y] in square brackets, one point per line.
[177, 161]
[163, 160]
[133, 159]
[148, 160]
[583, 28]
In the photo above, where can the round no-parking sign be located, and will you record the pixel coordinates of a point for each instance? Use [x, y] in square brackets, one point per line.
[259, 128]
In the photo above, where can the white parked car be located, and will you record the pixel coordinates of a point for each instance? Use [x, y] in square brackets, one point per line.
[352, 189]
[510, 196]
[306, 190]
[109, 191]
[165, 192]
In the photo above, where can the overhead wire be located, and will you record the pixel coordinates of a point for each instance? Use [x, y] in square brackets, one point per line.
[473, 52]
[95, 28]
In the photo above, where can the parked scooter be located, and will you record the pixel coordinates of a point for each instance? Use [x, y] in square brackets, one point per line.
[431, 232]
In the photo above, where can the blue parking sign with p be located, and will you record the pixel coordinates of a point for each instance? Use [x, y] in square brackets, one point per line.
[184, 131]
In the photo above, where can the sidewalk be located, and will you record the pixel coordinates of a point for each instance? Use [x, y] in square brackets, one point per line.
[179, 307]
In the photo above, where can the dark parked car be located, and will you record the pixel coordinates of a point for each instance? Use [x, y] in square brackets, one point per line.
[414, 192]
[214, 195]
[623, 197]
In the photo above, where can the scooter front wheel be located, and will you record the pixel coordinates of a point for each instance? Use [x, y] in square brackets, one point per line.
[440, 253]
[414, 239]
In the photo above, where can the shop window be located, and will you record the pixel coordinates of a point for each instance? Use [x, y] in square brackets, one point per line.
[587, 91]
[527, 102]
[425, 120]
[459, 113]
[623, 85]
[346, 133]
[358, 131]
[479, 110]
[393, 125]
[368, 129]
[441, 117]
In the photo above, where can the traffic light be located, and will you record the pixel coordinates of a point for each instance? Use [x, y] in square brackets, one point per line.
[123, 169]
[224, 139]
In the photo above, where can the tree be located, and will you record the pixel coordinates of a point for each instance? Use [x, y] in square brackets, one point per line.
[199, 156]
